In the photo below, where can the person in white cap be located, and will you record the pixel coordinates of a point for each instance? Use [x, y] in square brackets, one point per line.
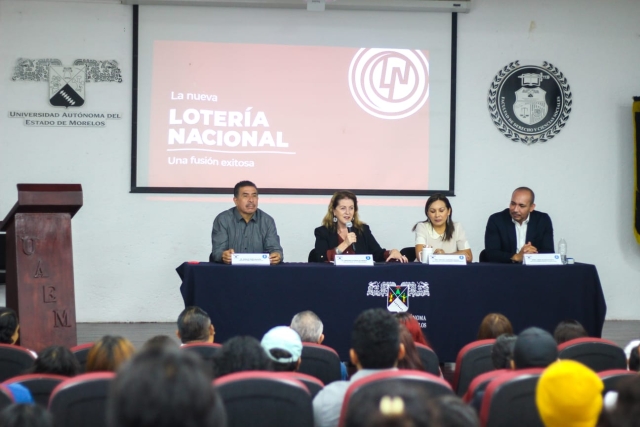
[284, 347]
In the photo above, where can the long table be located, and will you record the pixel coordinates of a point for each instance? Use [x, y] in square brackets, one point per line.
[450, 301]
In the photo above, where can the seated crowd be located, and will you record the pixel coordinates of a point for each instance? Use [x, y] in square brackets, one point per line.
[166, 384]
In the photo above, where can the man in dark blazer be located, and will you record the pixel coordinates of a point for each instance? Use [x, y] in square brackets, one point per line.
[518, 230]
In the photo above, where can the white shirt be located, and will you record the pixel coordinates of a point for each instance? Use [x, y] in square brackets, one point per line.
[521, 233]
[328, 402]
[426, 235]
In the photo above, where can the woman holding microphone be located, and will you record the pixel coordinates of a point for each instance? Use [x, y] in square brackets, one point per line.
[342, 232]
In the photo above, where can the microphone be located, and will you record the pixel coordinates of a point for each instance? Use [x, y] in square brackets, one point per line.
[349, 229]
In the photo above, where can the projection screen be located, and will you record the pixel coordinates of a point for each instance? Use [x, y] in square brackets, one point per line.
[299, 102]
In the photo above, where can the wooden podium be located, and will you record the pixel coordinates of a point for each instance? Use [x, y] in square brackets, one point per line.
[40, 263]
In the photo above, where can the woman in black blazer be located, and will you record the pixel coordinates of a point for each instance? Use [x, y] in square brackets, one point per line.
[342, 232]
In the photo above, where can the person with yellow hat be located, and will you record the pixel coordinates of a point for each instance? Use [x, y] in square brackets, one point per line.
[569, 394]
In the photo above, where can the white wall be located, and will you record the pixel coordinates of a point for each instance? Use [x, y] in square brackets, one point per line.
[126, 246]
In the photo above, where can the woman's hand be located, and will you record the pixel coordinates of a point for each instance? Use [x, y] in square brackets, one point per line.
[467, 254]
[439, 252]
[350, 239]
[395, 254]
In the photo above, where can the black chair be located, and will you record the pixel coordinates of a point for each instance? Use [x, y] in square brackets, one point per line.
[313, 256]
[204, 349]
[510, 400]
[480, 383]
[596, 353]
[3, 258]
[611, 378]
[81, 352]
[313, 384]
[478, 386]
[81, 400]
[258, 398]
[40, 385]
[14, 360]
[321, 362]
[429, 359]
[473, 359]
[409, 252]
[377, 385]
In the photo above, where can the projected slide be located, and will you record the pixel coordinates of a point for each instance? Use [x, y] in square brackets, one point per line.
[312, 117]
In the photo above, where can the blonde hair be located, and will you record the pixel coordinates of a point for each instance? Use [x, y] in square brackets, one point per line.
[108, 353]
[493, 325]
[327, 221]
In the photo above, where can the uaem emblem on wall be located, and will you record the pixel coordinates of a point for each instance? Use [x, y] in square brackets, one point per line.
[530, 103]
[67, 88]
[66, 83]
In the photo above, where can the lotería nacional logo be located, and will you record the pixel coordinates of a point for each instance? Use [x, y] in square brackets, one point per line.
[398, 295]
[67, 83]
[389, 83]
[530, 103]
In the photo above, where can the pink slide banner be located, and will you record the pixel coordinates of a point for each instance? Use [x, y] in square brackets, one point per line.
[304, 117]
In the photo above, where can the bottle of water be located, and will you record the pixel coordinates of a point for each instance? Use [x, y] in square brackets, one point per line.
[562, 250]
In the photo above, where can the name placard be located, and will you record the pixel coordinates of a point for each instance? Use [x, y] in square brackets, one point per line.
[250, 259]
[354, 260]
[542, 259]
[447, 259]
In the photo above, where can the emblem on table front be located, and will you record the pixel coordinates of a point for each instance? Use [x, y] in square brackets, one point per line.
[398, 295]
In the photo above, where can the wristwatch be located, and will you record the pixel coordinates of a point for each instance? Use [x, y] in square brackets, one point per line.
[338, 251]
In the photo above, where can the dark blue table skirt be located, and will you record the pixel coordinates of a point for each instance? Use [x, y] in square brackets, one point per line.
[249, 300]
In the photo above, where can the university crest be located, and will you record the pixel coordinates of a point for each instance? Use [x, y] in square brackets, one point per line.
[398, 295]
[529, 103]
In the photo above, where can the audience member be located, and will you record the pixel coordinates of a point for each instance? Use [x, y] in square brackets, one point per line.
[634, 359]
[160, 341]
[56, 360]
[493, 325]
[240, 354]
[20, 393]
[411, 359]
[569, 394]
[451, 411]
[628, 351]
[108, 353]
[501, 357]
[194, 325]
[392, 404]
[406, 405]
[165, 387]
[568, 330]
[309, 326]
[534, 348]
[502, 351]
[375, 347]
[626, 404]
[9, 326]
[413, 326]
[283, 346]
[25, 415]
